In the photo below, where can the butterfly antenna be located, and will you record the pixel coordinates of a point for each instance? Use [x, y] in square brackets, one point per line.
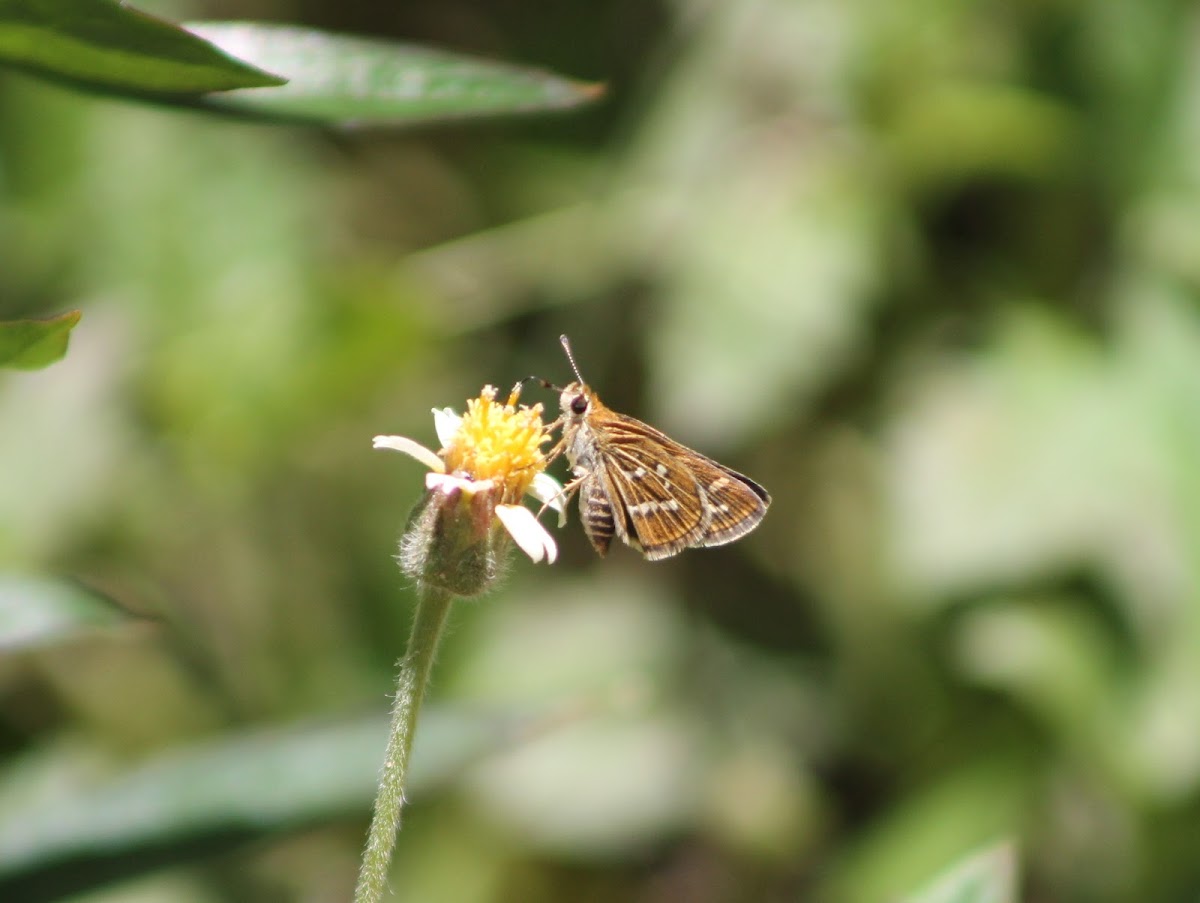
[566, 343]
[544, 383]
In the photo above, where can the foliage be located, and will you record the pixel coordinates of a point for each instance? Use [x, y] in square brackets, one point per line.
[30, 344]
[986, 877]
[926, 271]
[107, 46]
[313, 75]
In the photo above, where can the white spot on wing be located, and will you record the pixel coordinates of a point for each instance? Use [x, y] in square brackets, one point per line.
[652, 506]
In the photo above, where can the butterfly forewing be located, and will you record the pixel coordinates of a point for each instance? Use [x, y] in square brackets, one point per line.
[657, 493]
[735, 503]
[707, 503]
[660, 496]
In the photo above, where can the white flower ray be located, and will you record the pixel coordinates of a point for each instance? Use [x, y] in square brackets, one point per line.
[549, 492]
[411, 448]
[446, 424]
[530, 535]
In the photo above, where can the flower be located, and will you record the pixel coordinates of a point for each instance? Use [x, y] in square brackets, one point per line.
[491, 457]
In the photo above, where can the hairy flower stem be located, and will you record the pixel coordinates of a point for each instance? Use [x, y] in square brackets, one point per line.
[432, 608]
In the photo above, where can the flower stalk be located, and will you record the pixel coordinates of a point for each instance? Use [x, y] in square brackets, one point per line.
[432, 610]
[454, 545]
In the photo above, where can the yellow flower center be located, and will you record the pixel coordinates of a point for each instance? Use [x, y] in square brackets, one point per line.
[499, 442]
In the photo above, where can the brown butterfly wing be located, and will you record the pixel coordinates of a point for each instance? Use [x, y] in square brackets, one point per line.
[735, 503]
[659, 505]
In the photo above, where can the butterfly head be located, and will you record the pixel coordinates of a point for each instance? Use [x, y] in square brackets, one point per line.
[576, 402]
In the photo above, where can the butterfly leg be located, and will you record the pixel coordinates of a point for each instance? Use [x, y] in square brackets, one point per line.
[566, 494]
[559, 447]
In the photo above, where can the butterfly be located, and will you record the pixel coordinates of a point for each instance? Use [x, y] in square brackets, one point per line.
[639, 485]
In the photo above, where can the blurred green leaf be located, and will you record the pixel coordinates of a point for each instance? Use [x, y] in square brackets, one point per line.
[951, 131]
[33, 344]
[766, 264]
[1051, 654]
[989, 876]
[355, 81]
[917, 833]
[35, 611]
[53, 807]
[1022, 447]
[109, 46]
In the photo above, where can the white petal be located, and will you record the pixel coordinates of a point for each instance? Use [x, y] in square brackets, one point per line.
[525, 530]
[446, 483]
[549, 492]
[445, 424]
[412, 449]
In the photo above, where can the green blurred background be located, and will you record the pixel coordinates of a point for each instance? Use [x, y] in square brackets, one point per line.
[928, 271]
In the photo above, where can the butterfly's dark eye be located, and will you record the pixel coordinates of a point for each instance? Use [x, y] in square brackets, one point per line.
[579, 404]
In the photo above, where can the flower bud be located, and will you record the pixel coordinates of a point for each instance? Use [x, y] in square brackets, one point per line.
[453, 541]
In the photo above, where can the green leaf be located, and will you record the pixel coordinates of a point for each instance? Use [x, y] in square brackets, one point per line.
[35, 611]
[986, 876]
[353, 80]
[33, 344]
[106, 46]
[53, 808]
